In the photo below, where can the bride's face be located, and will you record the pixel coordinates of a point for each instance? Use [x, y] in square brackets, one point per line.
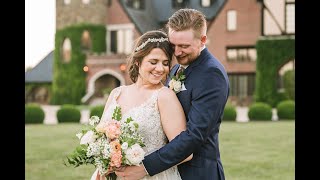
[154, 67]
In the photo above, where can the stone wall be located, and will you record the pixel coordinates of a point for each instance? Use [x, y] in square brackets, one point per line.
[78, 12]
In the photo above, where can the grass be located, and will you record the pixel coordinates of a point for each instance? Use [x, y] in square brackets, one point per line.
[249, 151]
[258, 150]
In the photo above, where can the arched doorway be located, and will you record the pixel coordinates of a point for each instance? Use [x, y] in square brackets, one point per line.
[100, 84]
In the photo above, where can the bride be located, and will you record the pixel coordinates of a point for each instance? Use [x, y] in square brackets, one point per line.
[148, 101]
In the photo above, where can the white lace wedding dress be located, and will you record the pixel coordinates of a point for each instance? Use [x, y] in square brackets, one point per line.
[147, 115]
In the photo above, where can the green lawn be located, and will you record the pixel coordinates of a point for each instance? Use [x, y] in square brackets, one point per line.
[249, 151]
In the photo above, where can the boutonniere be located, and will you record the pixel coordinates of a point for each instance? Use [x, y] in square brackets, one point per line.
[177, 82]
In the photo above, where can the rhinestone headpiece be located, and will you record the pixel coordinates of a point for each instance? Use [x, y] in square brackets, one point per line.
[151, 40]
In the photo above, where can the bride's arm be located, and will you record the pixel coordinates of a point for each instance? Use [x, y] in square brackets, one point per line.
[172, 115]
[110, 97]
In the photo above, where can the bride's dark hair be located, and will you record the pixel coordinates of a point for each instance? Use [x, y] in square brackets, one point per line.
[143, 46]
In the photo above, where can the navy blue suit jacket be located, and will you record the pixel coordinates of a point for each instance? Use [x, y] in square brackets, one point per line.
[203, 103]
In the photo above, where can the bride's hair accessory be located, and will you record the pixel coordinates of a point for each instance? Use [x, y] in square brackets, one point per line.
[151, 40]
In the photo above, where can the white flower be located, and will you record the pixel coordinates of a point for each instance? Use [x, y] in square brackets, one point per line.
[135, 154]
[124, 146]
[87, 138]
[94, 120]
[79, 135]
[171, 83]
[133, 125]
[177, 82]
[177, 86]
[106, 151]
[93, 149]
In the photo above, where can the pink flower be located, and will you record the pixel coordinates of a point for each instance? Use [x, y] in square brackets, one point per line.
[116, 155]
[112, 129]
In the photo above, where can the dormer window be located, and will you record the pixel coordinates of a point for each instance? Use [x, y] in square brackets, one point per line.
[179, 3]
[206, 3]
[136, 4]
[231, 20]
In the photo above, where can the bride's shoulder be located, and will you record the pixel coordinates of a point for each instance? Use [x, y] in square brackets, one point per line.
[116, 91]
[166, 93]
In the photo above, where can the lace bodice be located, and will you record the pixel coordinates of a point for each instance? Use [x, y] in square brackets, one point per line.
[147, 116]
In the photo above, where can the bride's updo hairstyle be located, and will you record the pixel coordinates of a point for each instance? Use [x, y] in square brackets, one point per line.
[143, 46]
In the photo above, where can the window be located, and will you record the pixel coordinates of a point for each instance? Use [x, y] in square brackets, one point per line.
[120, 38]
[231, 20]
[179, 3]
[290, 18]
[66, 50]
[231, 54]
[242, 85]
[241, 54]
[206, 3]
[66, 2]
[85, 1]
[86, 40]
[136, 4]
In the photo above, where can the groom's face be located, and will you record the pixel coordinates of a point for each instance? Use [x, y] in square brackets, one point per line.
[186, 46]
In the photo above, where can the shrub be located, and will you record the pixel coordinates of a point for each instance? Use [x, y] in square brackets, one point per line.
[229, 113]
[260, 111]
[97, 111]
[286, 109]
[34, 114]
[68, 113]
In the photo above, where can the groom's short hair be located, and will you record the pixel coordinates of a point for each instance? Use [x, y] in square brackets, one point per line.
[186, 18]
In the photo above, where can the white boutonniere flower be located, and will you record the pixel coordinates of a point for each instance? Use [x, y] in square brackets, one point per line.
[177, 82]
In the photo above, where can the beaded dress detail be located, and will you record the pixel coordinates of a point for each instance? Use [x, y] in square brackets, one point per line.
[147, 115]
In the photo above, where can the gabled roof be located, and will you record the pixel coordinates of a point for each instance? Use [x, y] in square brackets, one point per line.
[156, 12]
[42, 72]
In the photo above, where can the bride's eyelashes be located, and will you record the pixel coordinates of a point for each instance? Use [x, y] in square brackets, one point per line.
[154, 62]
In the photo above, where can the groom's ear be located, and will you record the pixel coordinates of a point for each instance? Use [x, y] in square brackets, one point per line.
[203, 40]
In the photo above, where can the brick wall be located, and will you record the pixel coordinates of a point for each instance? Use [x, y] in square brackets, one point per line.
[247, 33]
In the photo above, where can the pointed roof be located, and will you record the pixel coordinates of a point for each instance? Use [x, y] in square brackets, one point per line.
[42, 72]
[156, 13]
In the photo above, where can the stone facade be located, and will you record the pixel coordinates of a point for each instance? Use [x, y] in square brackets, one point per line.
[78, 12]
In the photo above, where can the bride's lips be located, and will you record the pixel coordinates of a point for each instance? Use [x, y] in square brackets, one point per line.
[157, 75]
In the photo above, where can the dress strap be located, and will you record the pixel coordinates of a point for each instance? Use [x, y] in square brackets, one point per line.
[157, 92]
[117, 93]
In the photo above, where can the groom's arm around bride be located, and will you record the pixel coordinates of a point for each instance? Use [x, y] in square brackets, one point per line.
[203, 102]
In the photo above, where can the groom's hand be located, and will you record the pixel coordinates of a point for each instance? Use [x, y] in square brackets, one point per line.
[131, 172]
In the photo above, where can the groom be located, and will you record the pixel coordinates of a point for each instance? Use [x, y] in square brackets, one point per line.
[203, 100]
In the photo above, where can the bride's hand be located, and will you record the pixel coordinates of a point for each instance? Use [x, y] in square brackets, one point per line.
[103, 177]
[100, 177]
[121, 168]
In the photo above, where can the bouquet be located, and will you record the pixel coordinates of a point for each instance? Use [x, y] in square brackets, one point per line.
[108, 144]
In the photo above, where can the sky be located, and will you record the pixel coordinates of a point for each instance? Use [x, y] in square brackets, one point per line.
[39, 30]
